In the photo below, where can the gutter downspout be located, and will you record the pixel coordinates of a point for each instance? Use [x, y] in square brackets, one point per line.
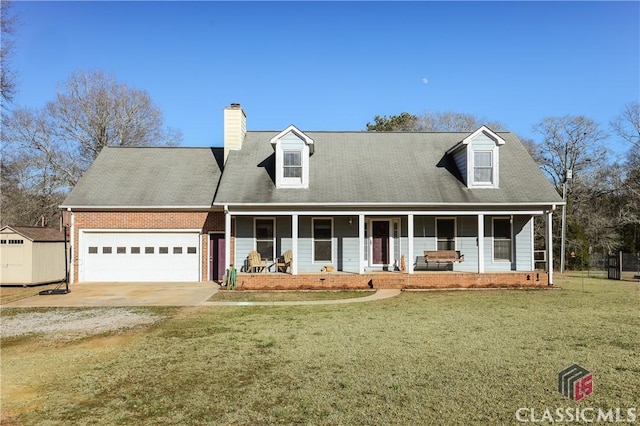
[227, 238]
[73, 245]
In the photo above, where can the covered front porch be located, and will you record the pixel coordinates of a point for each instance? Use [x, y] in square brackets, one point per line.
[351, 249]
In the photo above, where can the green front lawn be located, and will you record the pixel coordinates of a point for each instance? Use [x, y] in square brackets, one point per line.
[457, 357]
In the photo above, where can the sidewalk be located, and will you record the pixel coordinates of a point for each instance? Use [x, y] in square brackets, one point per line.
[378, 295]
[159, 294]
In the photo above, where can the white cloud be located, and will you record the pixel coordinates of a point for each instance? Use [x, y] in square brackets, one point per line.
[424, 80]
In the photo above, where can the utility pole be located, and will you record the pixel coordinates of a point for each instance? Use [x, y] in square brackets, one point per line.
[568, 175]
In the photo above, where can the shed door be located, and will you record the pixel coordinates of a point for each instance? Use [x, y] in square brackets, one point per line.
[140, 257]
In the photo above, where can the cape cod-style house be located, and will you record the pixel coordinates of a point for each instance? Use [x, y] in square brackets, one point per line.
[294, 208]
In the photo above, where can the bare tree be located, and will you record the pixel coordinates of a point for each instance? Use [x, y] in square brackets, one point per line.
[569, 143]
[7, 76]
[46, 151]
[91, 111]
[450, 121]
[627, 124]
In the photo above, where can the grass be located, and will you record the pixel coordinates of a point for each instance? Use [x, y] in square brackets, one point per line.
[285, 296]
[419, 358]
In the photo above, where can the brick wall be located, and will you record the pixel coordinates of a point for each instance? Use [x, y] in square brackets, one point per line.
[204, 221]
[340, 281]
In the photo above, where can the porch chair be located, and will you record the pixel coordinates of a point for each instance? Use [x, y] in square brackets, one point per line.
[284, 261]
[255, 262]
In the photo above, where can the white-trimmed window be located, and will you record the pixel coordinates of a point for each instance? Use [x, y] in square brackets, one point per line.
[292, 165]
[502, 232]
[323, 240]
[477, 158]
[445, 233]
[293, 149]
[483, 168]
[265, 232]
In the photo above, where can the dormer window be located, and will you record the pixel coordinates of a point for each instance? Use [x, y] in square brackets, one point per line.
[477, 158]
[293, 149]
[292, 164]
[483, 167]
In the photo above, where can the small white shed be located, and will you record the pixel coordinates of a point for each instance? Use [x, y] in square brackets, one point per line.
[31, 255]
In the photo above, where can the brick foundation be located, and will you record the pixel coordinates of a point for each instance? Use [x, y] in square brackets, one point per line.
[346, 281]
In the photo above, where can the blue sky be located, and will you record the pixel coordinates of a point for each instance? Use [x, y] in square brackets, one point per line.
[335, 65]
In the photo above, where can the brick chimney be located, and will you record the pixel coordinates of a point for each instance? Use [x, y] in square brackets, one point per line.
[235, 127]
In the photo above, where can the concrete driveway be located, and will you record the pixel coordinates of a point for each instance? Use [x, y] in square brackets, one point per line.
[123, 294]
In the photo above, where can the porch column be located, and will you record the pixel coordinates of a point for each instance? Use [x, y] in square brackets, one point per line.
[361, 243]
[294, 244]
[549, 246]
[481, 244]
[227, 238]
[409, 258]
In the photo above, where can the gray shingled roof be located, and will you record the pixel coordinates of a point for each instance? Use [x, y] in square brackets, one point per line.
[379, 168]
[149, 177]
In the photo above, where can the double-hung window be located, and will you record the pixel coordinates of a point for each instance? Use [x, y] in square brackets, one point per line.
[483, 167]
[322, 240]
[502, 240]
[292, 164]
[265, 238]
[446, 234]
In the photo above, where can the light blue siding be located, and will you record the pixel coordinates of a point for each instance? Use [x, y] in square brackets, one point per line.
[467, 244]
[489, 264]
[424, 230]
[304, 246]
[346, 244]
[244, 240]
[482, 142]
[291, 141]
[345, 249]
[460, 159]
[522, 229]
[521, 246]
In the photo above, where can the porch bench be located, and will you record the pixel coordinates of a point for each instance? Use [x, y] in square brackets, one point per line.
[442, 256]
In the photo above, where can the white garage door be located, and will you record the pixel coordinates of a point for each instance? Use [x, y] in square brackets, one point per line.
[140, 256]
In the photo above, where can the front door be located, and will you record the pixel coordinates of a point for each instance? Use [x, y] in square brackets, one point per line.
[216, 257]
[380, 249]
